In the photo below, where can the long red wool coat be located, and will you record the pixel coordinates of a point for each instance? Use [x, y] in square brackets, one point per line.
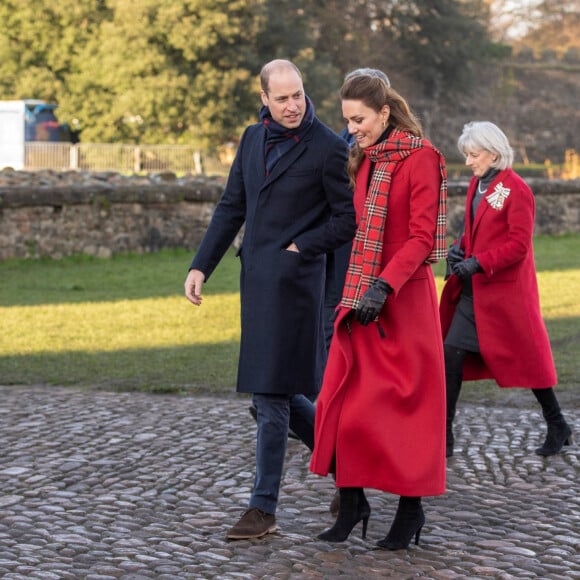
[514, 343]
[380, 416]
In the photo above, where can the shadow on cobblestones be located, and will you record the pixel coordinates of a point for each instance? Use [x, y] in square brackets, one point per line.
[99, 485]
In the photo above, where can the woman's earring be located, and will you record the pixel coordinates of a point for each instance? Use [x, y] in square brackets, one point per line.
[384, 124]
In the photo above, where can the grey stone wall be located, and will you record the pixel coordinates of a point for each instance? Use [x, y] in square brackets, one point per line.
[52, 214]
[557, 205]
[103, 214]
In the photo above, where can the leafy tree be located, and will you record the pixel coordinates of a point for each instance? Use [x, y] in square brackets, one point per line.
[168, 72]
[186, 72]
[135, 70]
[212, 43]
[429, 48]
[39, 41]
[441, 40]
[343, 37]
[293, 30]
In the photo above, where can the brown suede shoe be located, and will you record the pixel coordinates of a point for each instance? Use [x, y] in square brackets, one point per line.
[254, 523]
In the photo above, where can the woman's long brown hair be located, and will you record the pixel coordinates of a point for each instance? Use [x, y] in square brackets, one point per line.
[375, 94]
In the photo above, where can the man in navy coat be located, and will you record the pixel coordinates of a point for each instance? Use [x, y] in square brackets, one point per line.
[288, 185]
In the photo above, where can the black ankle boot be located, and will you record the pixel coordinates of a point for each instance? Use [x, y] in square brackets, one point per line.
[354, 507]
[408, 522]
[559, 434]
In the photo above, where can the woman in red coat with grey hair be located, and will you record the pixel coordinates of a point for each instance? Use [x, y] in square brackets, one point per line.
[380, 415]
[490, 308]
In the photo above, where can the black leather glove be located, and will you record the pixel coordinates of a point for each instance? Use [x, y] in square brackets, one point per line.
[372, 302]
[466, 268]
[455, 254]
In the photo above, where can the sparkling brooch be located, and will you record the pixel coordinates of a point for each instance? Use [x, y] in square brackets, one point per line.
[498, 196]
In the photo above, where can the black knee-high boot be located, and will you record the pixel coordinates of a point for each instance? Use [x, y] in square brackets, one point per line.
[353, 508]
[559, 432]
[408, 522]
[454, 358]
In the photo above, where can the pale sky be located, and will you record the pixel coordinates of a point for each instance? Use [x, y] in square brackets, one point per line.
[511, 14]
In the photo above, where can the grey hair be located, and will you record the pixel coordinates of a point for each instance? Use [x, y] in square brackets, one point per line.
[483, 135]
[369, 72]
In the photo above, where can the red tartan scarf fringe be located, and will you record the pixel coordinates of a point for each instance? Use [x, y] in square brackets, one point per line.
[365, 259]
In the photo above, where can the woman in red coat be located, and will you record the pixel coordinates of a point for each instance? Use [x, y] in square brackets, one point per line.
[490, 308]
[380, 415]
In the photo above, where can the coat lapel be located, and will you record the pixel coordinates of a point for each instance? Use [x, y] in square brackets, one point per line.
[468, 222]
[481, 211]
[260, 156]
[484, 206]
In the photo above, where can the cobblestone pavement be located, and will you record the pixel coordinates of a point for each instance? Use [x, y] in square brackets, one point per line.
[100, 485]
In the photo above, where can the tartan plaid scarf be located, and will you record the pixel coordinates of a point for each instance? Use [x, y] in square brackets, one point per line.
[365, 259]
[279, 139]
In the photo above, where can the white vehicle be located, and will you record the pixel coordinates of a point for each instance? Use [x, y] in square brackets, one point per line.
[27, 121]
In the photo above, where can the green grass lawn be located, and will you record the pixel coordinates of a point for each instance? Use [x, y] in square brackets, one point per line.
[124, 323]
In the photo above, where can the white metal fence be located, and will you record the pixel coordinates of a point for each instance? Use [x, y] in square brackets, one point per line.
[122, 158]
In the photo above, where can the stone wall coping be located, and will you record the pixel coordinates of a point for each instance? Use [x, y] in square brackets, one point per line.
[166, 189]
[30, 196]
[56, 215]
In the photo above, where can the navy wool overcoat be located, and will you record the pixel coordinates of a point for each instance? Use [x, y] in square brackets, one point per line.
[306, 200]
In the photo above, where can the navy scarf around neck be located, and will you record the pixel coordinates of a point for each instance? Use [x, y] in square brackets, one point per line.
[280, 140]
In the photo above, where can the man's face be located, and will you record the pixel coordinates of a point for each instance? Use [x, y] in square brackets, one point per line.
[285, 98]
